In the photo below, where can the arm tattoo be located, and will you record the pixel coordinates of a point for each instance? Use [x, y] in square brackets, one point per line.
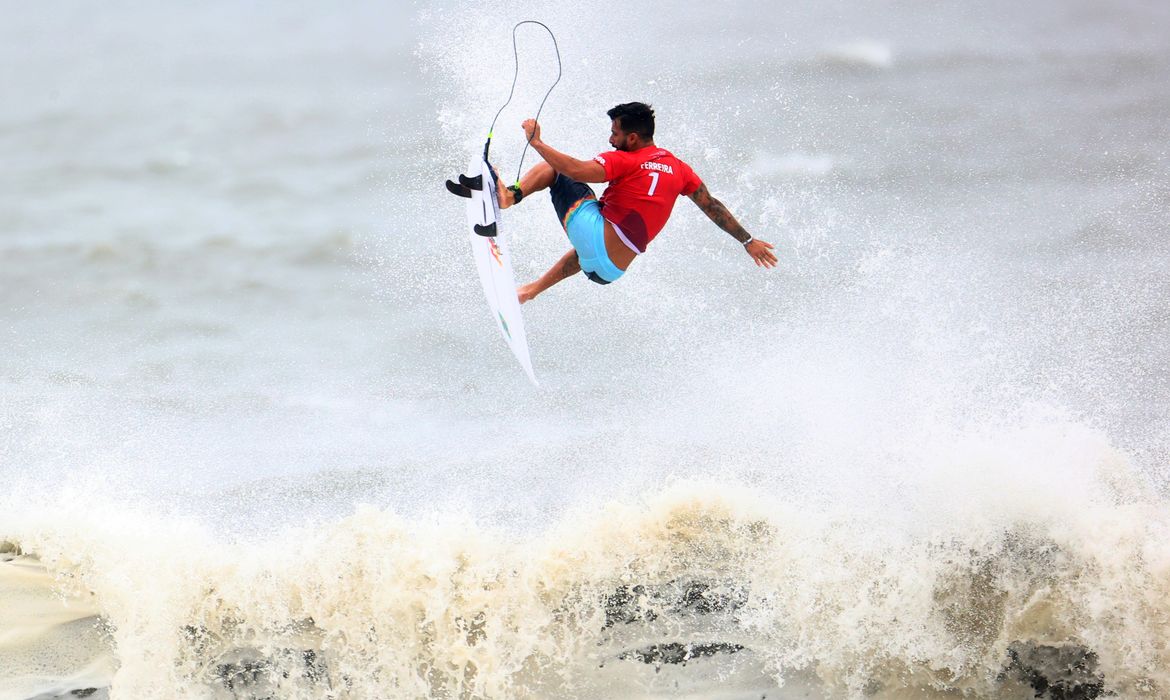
[718, 213]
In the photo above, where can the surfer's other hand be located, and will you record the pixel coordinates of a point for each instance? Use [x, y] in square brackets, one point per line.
[531, 130]
[526, 292]
[761, 252]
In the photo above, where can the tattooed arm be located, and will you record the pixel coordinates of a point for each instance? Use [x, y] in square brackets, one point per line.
[761, 251]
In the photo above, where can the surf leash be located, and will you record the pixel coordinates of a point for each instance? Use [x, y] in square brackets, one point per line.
[515, 73]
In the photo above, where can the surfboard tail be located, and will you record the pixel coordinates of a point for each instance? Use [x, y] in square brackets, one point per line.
[472, 183]
[458, 189]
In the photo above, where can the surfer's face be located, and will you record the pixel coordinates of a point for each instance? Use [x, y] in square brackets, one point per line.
[619, 139]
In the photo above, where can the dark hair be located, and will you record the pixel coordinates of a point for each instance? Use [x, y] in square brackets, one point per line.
[634, 117]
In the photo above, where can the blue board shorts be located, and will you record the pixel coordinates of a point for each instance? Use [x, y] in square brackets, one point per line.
[580, 215]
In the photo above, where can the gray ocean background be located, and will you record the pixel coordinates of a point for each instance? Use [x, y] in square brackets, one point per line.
[259, 436]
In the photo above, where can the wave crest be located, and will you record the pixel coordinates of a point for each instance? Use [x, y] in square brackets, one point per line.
[705, 581]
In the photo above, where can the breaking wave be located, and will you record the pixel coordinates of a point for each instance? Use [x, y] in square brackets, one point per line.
[699, 587]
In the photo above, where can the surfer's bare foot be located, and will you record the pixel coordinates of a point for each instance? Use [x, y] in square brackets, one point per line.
[526, 292]
[506, 196]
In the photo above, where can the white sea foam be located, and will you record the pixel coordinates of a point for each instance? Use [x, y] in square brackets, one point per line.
[863, 53]
[794, 164]
[760, 588]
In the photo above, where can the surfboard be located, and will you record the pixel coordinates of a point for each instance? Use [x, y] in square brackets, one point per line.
[492, 258]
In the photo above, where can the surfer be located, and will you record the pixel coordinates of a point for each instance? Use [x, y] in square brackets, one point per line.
[644, 180]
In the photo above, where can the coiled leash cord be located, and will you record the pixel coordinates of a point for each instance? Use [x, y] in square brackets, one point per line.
[515, 73]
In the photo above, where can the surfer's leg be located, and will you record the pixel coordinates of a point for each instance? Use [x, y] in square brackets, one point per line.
[567, 197]
[541, 176]
[564, 268]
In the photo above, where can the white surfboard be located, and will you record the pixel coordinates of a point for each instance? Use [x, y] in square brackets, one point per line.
[494, 263]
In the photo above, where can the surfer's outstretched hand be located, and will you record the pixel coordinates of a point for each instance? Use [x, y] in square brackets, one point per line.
[531, 130]
[761, 252]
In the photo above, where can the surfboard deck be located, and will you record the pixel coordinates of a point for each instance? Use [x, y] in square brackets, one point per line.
[493, 260]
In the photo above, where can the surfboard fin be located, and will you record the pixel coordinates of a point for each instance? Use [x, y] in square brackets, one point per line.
[488, 231]
[458, 189]
[471, 183]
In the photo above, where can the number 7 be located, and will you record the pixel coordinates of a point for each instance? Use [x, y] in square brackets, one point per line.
[654, 183]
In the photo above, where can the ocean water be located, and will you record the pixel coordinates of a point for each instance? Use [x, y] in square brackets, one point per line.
[260, 439]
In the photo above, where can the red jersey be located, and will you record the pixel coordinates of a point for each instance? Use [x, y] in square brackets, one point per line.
[643, 185]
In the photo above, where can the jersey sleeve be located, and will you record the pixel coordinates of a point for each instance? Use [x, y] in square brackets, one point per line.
[690, 181]
[616, 164]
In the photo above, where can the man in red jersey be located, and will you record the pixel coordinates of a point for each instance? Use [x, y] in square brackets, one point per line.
[644, 180]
